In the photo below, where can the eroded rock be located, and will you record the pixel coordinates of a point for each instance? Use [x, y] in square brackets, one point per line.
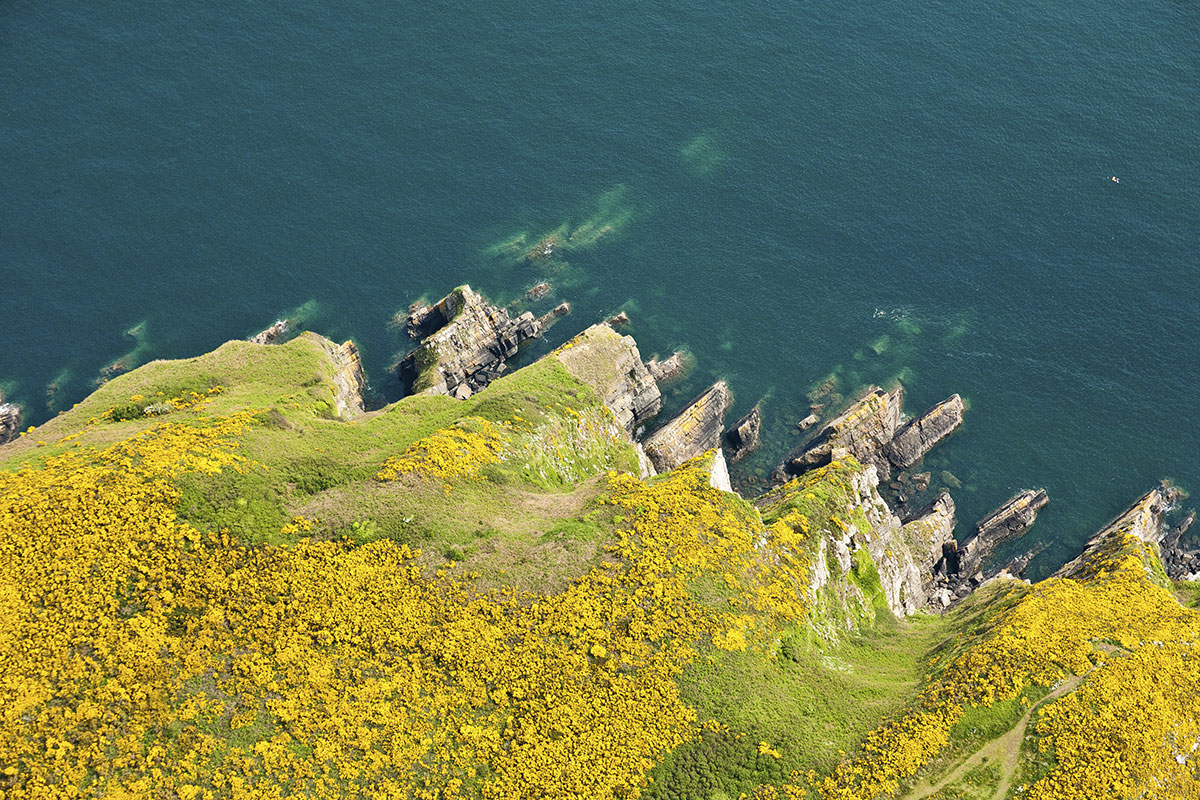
[465, 343]
[1009, 521]
[918, 436]
[742, 438]
[348, 380]
[864, 429]
[697, 429]
[611, 364]
[670, 369]
[1144, 519]
[10, 421]
[273, 334]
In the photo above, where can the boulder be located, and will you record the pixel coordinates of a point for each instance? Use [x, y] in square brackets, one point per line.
[743, 436]
[273, 334]
[611, 364]
[465, 343]
[668, 370]
[808, 422]
[918, 436]
[697, 429]
[10, 422]
[1007, 522]
[864, 430]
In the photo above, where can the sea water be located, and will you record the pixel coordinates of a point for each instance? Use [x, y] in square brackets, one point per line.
[999, 200]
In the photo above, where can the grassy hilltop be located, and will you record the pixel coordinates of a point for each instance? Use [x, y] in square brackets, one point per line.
[243, 594]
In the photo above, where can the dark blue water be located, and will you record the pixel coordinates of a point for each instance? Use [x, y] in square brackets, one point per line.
[775, 188]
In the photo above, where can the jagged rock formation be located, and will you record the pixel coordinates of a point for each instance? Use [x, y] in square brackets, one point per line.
[808, 422]
[697, 429]
[10, 421]
[1181, 564]
[865, 429]
[552, 316]
[272, 334]
[611, 364]
[669, 369]
[961, 567]
[743, 436]
[902, 553]
[465, 341]
[1144, 520]
[871, 431]
[348, 380]
[1007, 522]
[918, 436]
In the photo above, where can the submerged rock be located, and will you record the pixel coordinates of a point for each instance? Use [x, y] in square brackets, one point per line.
[743, 436]
[10, 421]
[918, 436]
[553, 315]
[538, 291]
[466, 341]
[697, 429]
[611, 364]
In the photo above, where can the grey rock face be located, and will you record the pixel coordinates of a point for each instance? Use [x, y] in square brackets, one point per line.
[718, 473]
[864, 430]
[742, 437]
[1007, 522]
[1182, 564]
[10, 422]
[1144, 519]
[918, 436]
[611, 364]
[465, 341]
[273, 334]
[669, 369]
[925, 537]
[348, 380]
[697, 429]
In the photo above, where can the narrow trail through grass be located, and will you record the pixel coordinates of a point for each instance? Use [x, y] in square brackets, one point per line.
[1004, 750]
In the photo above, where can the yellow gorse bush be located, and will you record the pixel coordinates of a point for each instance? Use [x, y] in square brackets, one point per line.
[459, 451]
[142, 657]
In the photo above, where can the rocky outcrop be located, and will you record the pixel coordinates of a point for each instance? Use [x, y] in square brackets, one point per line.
[10, 421]
[718, 472]
[1143, 520]
[808, 422]
[552, 316]
[962, 568]
[1007, 522]
[697, 429]
[611, 364]
[923, 540]
[347, 381]
[464, 344]
[742, 438]
[273, 334]
[864, 430]
[1182, 563]
[918, 436]
[670, 369]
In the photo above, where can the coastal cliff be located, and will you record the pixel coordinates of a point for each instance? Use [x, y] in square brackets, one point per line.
[233, 575]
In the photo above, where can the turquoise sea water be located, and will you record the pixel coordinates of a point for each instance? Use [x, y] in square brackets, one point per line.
[776, 187]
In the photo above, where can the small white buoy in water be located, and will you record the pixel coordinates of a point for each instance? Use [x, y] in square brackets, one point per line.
[1115, 179]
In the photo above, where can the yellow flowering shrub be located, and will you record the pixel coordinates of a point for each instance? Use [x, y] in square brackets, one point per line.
[459, 451]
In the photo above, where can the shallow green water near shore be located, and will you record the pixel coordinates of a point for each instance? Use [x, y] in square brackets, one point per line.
[874, 191]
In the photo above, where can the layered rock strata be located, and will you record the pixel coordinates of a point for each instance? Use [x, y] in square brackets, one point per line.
[918, 436]
[611, 364]
[742, 438]
[695, 430]
[10, 422]
[864, 429]
[670, 369]
[348, 381]
[464, 344]
[1144, 520]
